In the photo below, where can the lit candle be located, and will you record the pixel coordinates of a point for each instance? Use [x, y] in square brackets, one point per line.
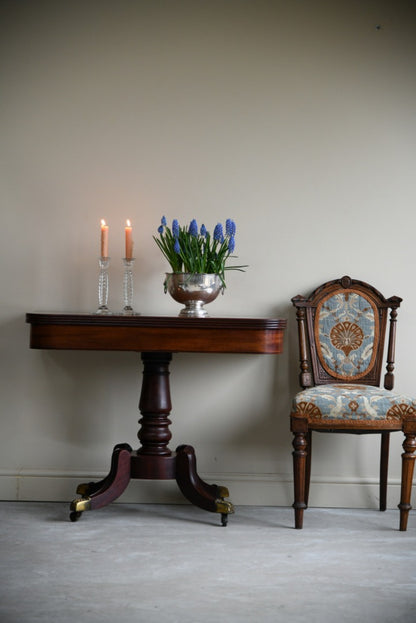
[129, 240]
[104, 238]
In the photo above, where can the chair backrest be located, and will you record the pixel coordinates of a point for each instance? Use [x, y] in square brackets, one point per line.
[342, 328]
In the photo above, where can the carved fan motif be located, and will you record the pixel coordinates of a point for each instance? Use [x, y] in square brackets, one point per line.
[399, 411]
[346, 336]
[309, 409]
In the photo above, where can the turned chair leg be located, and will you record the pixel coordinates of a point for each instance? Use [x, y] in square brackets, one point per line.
[408, 463]
[299, 475]
[308, 466]
[384, 468]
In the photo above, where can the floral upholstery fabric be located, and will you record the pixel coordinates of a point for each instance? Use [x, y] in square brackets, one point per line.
[346, 334]
[365, 403]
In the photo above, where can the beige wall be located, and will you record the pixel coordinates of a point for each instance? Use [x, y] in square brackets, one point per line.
[297, 120]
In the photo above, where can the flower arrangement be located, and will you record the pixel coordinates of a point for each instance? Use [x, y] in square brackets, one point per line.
[193, 250]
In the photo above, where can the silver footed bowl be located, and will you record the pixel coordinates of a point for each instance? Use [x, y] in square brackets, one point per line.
[193, 290]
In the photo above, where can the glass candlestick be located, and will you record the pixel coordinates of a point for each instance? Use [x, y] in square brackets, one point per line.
[104, 263]
[128, 286]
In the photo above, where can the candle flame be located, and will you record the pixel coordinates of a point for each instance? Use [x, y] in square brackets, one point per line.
[128, 223]
[103, 223]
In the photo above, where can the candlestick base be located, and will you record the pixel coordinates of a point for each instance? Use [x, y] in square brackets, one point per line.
[128, 287]
[104, 263]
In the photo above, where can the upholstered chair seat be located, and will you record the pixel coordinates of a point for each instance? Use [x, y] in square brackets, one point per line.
[353, 406]
[342, 327]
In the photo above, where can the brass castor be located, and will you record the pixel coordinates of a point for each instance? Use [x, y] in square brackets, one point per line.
[224, 507]
[78, 506]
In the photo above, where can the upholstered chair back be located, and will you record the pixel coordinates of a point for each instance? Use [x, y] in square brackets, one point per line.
[342, 328]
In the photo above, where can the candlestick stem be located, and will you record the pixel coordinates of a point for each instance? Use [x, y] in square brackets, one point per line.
[128, 286]
[104, 263]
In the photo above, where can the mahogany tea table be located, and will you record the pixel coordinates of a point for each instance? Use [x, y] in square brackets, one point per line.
[156, 338]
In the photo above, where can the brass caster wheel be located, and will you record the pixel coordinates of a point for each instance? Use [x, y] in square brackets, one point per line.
[77, 507]
[225, 508]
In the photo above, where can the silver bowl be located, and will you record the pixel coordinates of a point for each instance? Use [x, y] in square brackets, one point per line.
[194, 290]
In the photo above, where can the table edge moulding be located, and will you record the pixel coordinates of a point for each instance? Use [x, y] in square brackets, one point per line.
[156, 338]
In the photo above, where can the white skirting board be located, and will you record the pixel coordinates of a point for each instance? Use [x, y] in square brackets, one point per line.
[245, 489]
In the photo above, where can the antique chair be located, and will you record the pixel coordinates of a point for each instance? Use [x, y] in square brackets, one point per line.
[342, 326]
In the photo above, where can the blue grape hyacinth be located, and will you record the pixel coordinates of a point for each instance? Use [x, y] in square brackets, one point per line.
[175, 228]
[230, 227]
[197, 252]
[193, 228]
[218, 233]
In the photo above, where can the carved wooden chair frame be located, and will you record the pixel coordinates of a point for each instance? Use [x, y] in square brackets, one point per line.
[314, 372]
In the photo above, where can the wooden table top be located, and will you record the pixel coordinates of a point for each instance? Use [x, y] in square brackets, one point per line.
[72, 331]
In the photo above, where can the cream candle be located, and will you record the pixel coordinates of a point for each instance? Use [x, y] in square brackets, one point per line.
[129, 240]
[104, 238]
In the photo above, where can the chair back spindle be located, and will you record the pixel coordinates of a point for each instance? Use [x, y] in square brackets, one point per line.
[389, 376]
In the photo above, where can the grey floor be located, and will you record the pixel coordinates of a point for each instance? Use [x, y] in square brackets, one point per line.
[147, 563]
